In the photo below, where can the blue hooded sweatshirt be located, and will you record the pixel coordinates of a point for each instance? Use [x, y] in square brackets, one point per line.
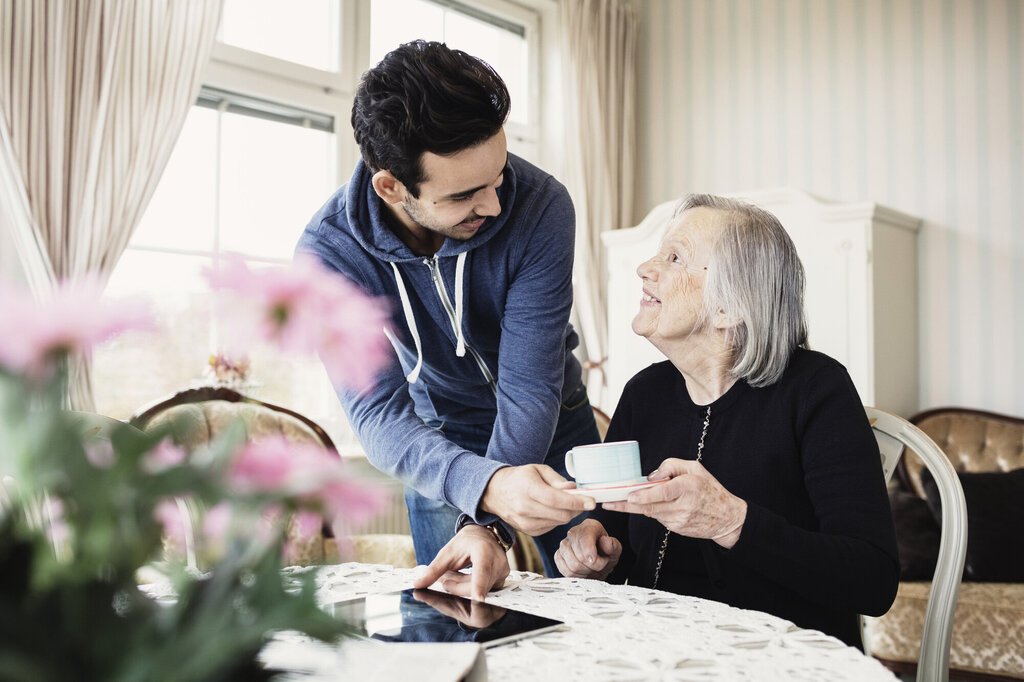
[481, 331]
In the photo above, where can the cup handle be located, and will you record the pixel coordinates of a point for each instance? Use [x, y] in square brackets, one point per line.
[568, 464]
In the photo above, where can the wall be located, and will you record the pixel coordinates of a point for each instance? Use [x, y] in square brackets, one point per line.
[915, 104]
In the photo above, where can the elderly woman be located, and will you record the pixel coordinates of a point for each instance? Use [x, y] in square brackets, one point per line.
[773, 496]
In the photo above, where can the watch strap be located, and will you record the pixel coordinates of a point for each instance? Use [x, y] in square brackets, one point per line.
[501, 532]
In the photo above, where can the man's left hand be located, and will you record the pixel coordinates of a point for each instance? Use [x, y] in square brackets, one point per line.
[472, 545]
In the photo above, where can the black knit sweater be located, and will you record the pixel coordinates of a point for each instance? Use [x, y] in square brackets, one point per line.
[818, 544]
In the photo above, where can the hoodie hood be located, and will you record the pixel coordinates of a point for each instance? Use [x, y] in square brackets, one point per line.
[367, 219]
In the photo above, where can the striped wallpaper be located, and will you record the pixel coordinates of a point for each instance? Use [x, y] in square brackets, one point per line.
[914, 104]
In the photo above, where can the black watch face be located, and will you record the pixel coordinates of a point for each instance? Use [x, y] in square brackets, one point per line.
[504, 534]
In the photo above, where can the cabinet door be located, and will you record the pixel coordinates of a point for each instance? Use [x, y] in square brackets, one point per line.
[836, 294]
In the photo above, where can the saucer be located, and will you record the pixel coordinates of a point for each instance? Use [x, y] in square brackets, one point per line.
[613, 492]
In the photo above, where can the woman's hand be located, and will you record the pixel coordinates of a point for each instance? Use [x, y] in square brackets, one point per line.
[588, 552]
[692, 503]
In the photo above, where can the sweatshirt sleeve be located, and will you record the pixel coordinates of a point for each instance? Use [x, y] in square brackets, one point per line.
[849, 562]
[398, 443]
[394, 437]
[531, 358]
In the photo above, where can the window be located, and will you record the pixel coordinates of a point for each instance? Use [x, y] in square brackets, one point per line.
[268, 142]
[220, 192]
[502, 34]
[499, 41]
[301, 31]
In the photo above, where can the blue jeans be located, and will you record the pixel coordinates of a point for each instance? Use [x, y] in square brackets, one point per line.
[433, 522]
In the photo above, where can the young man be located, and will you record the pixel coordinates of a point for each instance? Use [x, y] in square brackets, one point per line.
[475, 247]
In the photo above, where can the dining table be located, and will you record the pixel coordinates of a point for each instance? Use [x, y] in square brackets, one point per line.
[610, 632]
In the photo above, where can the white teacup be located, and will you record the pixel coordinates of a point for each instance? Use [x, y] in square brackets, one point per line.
[602, 464]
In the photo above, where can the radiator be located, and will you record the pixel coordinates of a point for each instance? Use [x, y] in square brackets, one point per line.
[394, 518]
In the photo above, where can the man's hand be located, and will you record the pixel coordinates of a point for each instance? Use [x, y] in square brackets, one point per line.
[588, 552]
[472, 545]
[532, 498]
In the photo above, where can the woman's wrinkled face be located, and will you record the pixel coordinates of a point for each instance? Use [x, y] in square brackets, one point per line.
[673, 280]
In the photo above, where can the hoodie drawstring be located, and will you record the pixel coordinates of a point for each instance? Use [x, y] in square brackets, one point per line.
[460, 266]
[460, 345]
[412, 376]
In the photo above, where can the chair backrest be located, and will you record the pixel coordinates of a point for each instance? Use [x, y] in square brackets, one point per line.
[933, 661]
[201, 414]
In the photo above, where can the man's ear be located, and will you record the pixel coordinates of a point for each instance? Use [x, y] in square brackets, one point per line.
[388, 187]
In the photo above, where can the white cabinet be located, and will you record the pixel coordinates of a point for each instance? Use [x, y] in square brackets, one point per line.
[861, 295]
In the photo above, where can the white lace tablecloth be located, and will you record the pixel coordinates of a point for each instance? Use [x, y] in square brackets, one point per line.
[619, 632]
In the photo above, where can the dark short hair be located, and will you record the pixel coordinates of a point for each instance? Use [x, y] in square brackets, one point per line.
[425, 97]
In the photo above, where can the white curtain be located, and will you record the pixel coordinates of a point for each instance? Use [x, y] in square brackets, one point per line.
[599, 42]
[93, 95]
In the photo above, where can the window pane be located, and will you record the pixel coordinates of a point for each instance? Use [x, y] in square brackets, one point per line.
[183, 208]
[273, 178]
[136, 368]
[155, 274]
[393, 22]
[504, 51]
[301, 31]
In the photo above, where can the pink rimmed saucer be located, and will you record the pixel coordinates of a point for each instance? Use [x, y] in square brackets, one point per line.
[613, 492]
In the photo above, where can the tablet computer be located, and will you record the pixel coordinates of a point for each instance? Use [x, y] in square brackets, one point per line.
[431, 616]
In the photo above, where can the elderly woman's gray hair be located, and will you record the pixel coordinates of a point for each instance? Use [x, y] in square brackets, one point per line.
[754, 276]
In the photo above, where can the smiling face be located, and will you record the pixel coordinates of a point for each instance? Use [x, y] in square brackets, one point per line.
[459, 191]
[673, 280]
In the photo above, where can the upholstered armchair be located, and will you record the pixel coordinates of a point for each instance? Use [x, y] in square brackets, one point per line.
[199, 415]
[987, 451]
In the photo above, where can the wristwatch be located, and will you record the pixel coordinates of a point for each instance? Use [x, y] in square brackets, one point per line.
[500, 532]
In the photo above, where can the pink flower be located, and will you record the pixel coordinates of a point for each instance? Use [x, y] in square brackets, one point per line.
[216, 529]
[354, 501]
[100, 453]
[306, 308]
[305, 529]
[307, 473]
[174, 522]
[56, 527]
[35, 336]
[269, 525]
[262, 466]
[307, 523]
[164, 456]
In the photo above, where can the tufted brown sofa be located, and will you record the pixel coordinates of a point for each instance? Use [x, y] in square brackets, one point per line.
[988, 630]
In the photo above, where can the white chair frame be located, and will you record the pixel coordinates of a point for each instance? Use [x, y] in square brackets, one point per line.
[933, 660]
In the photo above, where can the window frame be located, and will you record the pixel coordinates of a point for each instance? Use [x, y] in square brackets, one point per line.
[262, 76]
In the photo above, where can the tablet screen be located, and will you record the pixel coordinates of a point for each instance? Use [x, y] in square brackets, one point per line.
[429, 616]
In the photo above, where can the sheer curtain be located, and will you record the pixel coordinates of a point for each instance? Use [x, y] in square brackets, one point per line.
[599, 41]
[93, 95]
